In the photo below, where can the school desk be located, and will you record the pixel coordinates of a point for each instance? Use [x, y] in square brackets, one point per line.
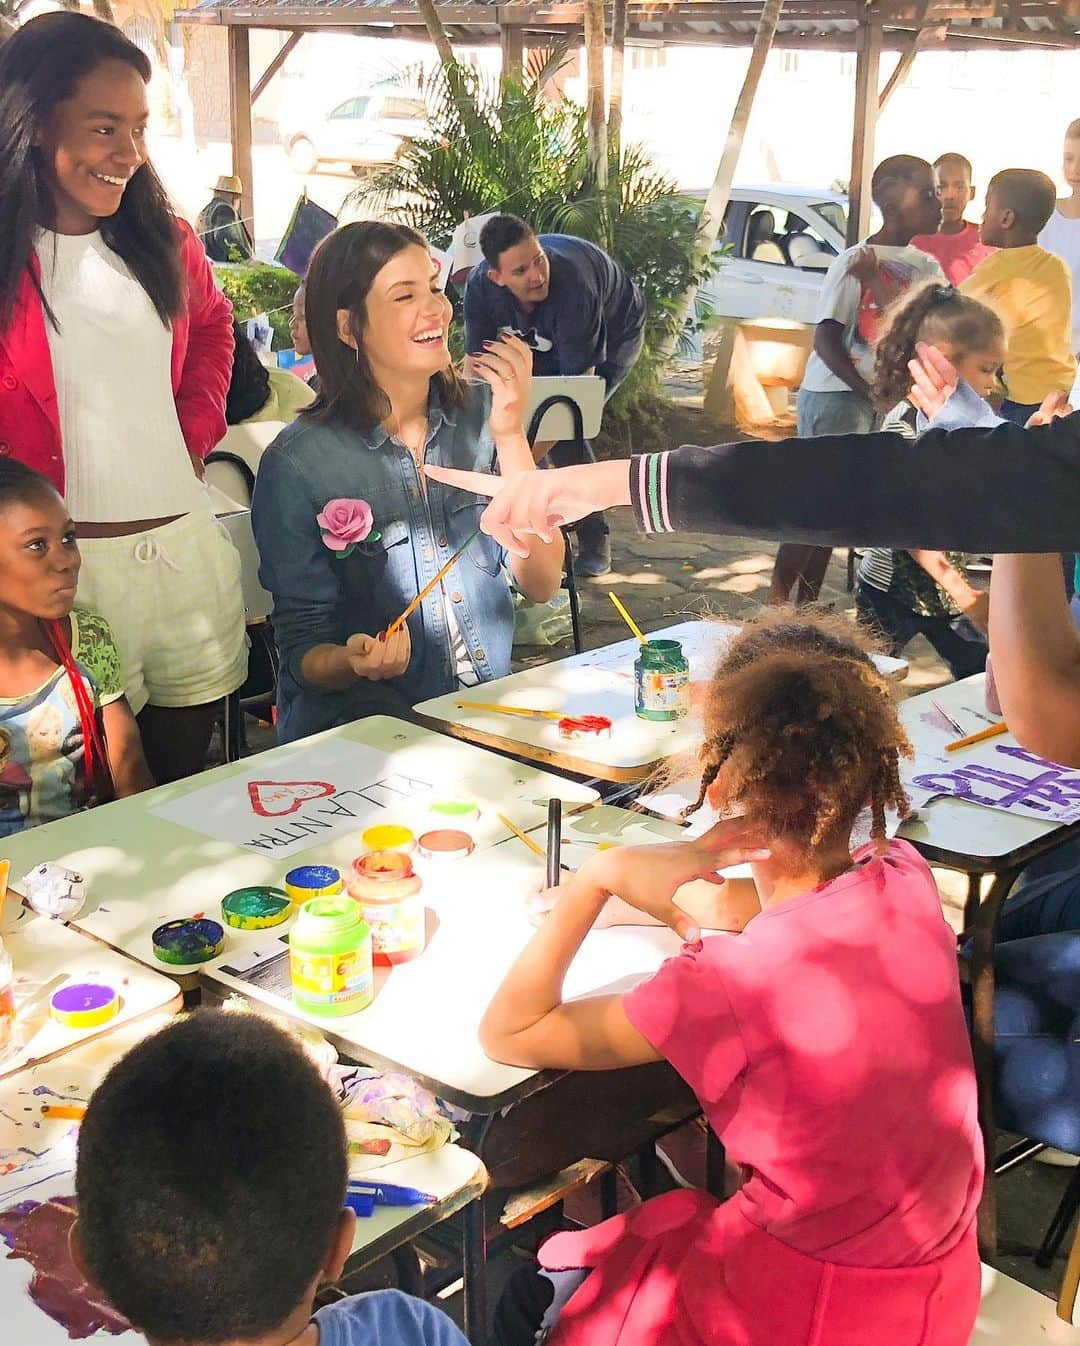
[425, 1015]
[48, 955]
[598, 682]
[37, 1164]
[178, 850]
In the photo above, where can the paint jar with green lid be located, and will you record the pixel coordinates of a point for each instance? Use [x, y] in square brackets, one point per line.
[330, 958]
[661, 681]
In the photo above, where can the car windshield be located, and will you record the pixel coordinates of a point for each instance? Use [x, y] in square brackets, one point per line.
[834, 213]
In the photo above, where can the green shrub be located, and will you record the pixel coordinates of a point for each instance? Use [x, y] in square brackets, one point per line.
[259, 287]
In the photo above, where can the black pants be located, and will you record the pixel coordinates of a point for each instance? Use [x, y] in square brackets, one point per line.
[522, 1305]
[960, 644]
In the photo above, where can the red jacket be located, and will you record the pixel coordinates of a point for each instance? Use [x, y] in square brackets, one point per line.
[202, 351]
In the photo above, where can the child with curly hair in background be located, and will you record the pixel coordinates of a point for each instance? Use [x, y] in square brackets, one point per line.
[908, 593]
[835, 1015]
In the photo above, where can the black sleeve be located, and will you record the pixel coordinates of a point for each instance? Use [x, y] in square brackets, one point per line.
[979, 490]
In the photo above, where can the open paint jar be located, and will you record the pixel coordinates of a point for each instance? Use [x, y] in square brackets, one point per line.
[330, 957]
[661, 681]
[387, 890]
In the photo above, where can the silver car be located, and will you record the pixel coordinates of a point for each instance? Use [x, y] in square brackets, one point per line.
[779, 242]
[366, 131]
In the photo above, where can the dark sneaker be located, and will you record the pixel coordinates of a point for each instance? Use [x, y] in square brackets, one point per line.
[594, 559]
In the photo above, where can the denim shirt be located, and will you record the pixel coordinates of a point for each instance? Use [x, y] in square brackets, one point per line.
[320, 598]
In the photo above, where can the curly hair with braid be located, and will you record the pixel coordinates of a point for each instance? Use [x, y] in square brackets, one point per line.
[801, 730]
[937, 314]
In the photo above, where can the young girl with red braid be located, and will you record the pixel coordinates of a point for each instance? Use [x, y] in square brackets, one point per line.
[826, 1043]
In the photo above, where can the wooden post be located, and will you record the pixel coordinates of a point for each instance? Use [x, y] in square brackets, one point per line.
[240, 120]
[867, 78]
[618, 63]
[511, 40]
[716, 203]
[436, 31]
[596, 103]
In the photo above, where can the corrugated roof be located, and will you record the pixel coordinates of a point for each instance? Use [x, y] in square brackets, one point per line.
[822, 23]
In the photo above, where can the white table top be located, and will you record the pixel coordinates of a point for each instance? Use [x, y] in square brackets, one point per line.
[143, 868]
[425, 1014]
[48, 955]
[598, 682]
[957, 825]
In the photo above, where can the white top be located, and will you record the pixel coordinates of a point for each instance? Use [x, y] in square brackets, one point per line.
[124, 451]
[1061, 236]
[840, 297]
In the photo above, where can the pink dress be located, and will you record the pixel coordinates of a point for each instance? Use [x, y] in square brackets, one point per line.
[828, 1047]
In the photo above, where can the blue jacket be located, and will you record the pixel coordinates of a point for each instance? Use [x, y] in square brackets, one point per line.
[320, 598]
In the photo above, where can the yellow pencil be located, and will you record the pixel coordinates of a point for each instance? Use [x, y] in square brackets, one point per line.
[64, 1112]
[627, 618]
[537, 850]
[5, 870]
[398, 622]
[991, 731]
[526, 711]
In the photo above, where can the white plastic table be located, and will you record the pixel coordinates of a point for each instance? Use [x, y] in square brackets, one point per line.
[143, 867]
[425, 1014]
[598, 682]
[48, 955]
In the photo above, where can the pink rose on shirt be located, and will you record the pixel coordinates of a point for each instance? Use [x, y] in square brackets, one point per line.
[344, 523]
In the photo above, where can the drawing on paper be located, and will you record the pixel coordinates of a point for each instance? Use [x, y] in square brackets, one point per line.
[1009, 778]
[37, 1233]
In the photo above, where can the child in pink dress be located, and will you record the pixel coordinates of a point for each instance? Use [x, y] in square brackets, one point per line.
[826, 1042]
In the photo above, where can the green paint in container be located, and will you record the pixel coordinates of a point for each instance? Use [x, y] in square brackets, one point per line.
[661, 681]
[330, 958]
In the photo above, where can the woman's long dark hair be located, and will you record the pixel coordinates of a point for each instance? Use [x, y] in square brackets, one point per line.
[40, 66]
[249, 387]
[341, 274]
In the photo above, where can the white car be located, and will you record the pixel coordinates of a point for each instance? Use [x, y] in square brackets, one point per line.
[365, 131]
[779, 242]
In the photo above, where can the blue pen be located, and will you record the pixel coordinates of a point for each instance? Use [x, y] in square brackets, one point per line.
[389, 1194]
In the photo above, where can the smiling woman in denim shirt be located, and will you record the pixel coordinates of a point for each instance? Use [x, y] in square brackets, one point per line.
[389, 403]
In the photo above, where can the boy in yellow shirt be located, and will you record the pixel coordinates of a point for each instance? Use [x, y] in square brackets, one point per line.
[1029, 288]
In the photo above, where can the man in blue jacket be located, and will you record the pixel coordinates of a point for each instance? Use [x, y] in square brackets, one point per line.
[580, 312]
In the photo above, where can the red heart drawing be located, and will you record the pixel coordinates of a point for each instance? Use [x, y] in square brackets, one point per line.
[277, 798]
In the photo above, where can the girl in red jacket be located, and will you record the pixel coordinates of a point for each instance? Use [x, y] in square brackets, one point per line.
[115, 357]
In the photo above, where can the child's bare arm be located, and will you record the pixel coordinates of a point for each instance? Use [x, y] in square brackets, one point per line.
[729, 907]
[829, 345]
[527, 1022]
[130, 773]
[973, 603]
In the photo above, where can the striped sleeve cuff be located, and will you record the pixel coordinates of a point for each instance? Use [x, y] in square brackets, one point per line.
[649, 491]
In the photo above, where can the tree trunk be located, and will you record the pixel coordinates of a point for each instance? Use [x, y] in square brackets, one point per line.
[618, 57]
[716, 203]
[596, 103]
[436, 31]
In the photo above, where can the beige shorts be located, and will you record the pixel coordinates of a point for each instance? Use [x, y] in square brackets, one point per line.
[173, 598]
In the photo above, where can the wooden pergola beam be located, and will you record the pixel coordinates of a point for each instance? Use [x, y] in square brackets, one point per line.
[867, 78]
[275, 65]
[240, 120]
[512, 43]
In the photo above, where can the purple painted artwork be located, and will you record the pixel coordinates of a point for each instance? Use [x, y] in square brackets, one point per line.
[37, 1232]
[1012, 779]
